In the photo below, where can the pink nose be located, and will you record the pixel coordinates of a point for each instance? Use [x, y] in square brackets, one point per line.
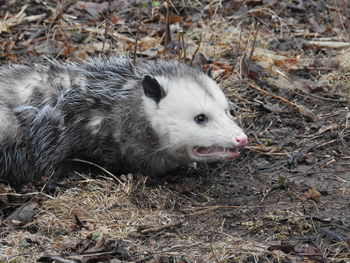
[241, 140]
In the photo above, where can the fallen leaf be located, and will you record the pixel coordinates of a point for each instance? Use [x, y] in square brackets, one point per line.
[48, 47]
[93, 9]
[8, 46]
[117, 20]
[272, 108]
[147, 43]
[173, 18]
[313, 194]
[99, 47]
[23, 215]
[306, 112]
[186, 186]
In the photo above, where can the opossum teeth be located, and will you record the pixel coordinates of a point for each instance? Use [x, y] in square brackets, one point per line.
[211, 151]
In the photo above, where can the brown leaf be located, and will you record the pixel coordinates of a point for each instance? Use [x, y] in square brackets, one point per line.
[187, 185]
[148, 43]
[310, 250]
[313, 194]
[173, 19]
[8, 46]
[23, 215]
[93, 9]
[99, 47]
[219, 68]
[47, 47]
[306, 112]
[67, 49]
[71, 245]
[117, 20]
[100, 245]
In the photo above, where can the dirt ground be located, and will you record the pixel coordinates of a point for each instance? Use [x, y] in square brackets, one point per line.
[284, 64]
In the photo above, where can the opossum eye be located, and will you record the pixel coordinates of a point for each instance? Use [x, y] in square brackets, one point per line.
[231, 112]
[201, 118]
[209, 72]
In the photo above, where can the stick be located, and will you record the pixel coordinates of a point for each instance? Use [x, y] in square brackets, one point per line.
[299, 108]
[195, 52]
[160, 228]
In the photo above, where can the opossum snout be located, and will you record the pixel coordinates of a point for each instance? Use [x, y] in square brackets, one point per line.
[241, 140]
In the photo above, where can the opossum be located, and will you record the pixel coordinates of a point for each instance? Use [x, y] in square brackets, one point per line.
[152, 117]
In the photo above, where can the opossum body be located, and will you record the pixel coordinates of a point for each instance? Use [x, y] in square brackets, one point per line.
[152, 117]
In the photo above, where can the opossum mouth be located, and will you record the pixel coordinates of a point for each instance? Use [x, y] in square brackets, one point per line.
[216, 151]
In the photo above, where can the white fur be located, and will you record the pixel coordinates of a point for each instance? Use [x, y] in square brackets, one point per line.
[94, 124]
[25, 86]
[8, 126]
[79, 81]
[173, 117]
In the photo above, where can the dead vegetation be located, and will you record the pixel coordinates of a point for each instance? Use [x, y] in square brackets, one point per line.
[285, 64]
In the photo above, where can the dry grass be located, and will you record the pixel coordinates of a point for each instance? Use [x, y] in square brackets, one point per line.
[120, 212]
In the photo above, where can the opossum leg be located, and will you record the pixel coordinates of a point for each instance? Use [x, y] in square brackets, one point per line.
[16, 163]
[42, 131]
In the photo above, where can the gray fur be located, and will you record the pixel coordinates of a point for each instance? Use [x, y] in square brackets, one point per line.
[91, 111]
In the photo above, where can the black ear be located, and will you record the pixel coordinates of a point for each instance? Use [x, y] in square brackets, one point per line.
[152, 89]
[209, 72]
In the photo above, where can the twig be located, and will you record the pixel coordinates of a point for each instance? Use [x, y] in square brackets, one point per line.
[326, 231]
[107, 17]
[237, 49]
[59, 31]
[339, 15]
[137, 34]
[99, 167]
[179, 46]
[27, 194]
[160, 228]
[243, 64]
[196, 51]
[326, 143]
[212, 249]
[320, 97]
[299, 108]
[183, 45]
[341, 133]
[324, 163]
[167, 38]
[257, 25]
[135, 48]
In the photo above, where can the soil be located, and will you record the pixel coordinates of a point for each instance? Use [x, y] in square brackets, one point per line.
[284, 64]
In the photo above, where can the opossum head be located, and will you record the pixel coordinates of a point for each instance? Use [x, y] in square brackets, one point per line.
[192, 117]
